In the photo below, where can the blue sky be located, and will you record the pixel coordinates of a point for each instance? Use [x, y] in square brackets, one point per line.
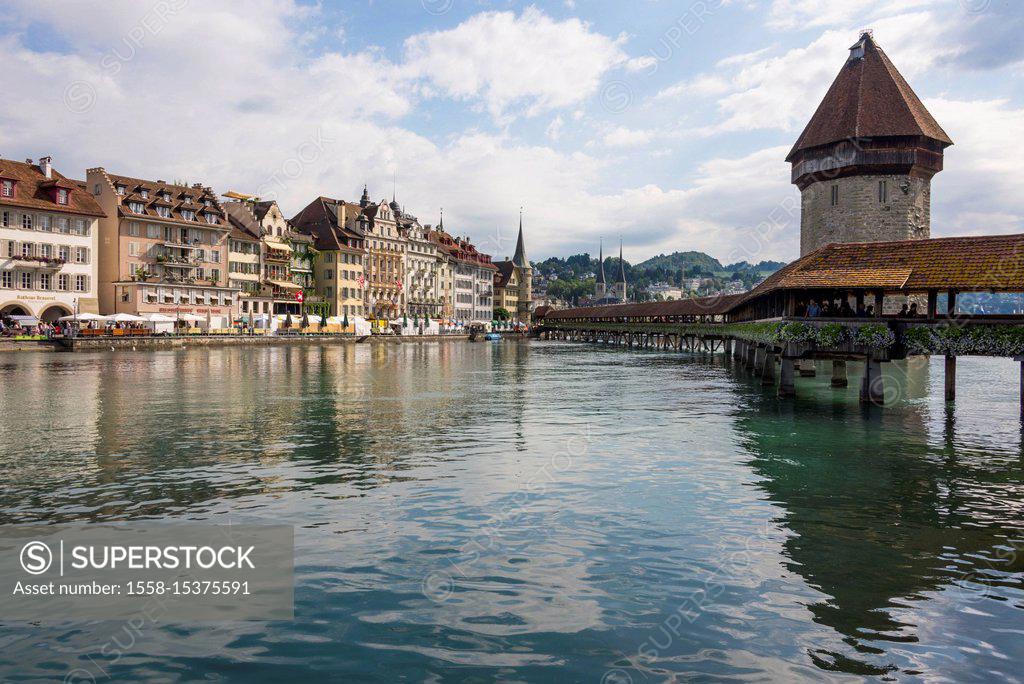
[664, 122]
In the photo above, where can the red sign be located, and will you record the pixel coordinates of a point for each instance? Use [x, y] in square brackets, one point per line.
[299, 296]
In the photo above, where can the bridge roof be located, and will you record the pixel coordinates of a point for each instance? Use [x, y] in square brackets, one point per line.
[697, 306]
[966, 264]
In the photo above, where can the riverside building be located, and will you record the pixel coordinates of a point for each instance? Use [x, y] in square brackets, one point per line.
[337, 236]
[285, 258]
[163, 248]
[48, 242]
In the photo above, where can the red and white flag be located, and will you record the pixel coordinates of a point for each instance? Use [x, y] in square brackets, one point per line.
[300, 296]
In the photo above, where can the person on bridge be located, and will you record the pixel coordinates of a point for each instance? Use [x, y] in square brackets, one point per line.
[813, 310]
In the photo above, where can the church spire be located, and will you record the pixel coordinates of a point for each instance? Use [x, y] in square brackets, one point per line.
[520, 258]
[622, 265]
[600, 262]
[365, 199]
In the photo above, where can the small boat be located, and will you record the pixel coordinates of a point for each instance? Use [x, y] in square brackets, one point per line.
[493, 337]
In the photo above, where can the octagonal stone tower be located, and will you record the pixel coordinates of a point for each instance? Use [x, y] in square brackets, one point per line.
[865, 161]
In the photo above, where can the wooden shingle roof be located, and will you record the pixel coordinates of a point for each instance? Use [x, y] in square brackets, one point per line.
[980, 263]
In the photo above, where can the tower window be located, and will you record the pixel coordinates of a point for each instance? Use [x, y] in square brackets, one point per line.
[883, 191]
[835, 195]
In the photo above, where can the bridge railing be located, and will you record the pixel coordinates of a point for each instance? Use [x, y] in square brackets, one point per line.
[890, 338]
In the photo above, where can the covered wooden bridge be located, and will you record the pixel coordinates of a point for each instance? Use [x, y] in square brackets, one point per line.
[876, 302]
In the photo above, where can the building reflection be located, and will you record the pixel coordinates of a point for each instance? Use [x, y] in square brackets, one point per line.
[897, 511]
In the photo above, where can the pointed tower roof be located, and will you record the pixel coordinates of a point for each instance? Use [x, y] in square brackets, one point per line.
[520, 257]
[622, 266]
[600, 263]
[365, 199]
[868, 99]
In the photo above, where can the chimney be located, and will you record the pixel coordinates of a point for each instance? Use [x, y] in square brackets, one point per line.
[46, 167]
[29, 161]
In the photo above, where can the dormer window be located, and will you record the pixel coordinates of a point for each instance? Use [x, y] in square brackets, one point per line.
[6, 188]
[136, 207]
[188, 214]
[211, 219]
[167, 196]
[165, 212]
[121, 189]
[144, 193]
[207, 203]
[62, 196]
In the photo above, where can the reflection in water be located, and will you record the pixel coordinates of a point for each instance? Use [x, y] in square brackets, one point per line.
[540, 511]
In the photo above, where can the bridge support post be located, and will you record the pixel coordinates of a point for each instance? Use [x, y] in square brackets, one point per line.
[787, 374]
[768, 369]
[727, 346]
[807, 368]
[950, 378]
[759, 356]
[751, 358]
[839, 373]
[872, 388]
[1020, 359]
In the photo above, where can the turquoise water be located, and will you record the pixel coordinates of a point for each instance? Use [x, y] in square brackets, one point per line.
[538, 512]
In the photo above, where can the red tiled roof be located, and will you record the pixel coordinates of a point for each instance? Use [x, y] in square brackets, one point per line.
[32, 190]
[869, 98]
[182, 198]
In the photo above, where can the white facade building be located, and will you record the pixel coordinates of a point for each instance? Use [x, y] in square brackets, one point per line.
[48, 242]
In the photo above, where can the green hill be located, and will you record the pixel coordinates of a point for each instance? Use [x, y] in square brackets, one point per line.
[681, 260]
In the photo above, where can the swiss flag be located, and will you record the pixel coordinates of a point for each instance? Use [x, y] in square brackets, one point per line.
[300, 296]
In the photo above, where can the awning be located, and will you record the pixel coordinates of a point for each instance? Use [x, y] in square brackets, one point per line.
[277, 244]
[284, 285]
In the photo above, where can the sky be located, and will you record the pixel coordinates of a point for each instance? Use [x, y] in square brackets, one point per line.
[665, 123]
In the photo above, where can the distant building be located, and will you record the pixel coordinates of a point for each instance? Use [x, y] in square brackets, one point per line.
[619, 288]
[666, 291]
[865, 161]
[617, 293]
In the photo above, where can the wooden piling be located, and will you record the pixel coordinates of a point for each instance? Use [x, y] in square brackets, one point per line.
[950, 378]
[787, 374]
[768, 369]
[839, 373]
[872, 388]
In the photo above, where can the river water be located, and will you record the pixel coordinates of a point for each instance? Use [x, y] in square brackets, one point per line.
[539, 512]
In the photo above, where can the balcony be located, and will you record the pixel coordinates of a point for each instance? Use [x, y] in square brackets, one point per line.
[39, 262]
[178, 244]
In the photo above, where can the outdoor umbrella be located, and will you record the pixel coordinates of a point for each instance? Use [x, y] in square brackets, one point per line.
[288, 320]
[344, 322]
[305, 319]
[405, 321]
[83, 317]
[323, 320]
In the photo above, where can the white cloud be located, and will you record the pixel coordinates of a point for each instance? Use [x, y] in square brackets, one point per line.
[554, 129]
[626, 137]
[528, 63]
[978, 190]
[801, 14]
